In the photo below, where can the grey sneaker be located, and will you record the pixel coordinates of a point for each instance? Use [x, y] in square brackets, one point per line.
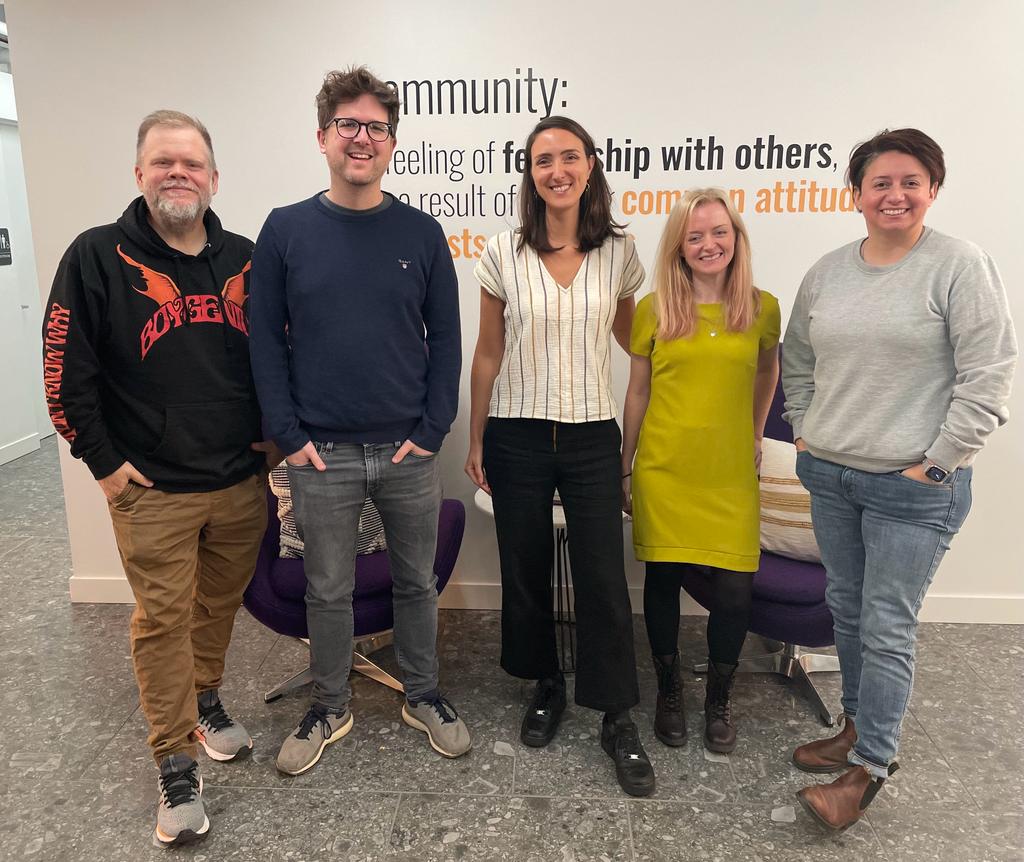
[316, 731]
[222, 737]
[438, 719]
[181, 817]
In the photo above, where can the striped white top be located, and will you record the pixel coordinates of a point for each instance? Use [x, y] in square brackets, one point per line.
[557, 360]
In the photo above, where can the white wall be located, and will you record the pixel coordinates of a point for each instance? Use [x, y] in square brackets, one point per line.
[804, 71]
[23, 418]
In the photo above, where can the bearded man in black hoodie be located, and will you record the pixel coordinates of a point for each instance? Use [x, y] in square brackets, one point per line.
[146, 368]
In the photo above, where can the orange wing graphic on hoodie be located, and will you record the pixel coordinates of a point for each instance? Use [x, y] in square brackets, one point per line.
[234, 287]
[159, 287]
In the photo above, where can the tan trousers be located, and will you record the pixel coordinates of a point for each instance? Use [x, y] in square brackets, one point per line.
[188, 559]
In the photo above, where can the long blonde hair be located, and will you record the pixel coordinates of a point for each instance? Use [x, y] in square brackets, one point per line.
[674, 300]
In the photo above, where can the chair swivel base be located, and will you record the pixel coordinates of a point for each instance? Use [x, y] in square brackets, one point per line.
[790, 661]
[360, 664]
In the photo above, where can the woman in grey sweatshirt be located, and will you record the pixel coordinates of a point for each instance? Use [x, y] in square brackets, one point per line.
[897, 366]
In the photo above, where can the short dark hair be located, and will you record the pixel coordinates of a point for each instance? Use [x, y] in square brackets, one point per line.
[349, 85]
[596, 223]
[173, 120]
[913, 142]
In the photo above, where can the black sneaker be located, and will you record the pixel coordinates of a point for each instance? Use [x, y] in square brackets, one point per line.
[632, 767]
[541, 720]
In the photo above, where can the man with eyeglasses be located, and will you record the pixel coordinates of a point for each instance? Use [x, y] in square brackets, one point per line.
[146, 368]
[356, 352]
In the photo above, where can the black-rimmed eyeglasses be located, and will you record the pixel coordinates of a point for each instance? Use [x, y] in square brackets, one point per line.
[349, 128]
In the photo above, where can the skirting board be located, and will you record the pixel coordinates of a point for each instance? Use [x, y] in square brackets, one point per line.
[17, 448]
[937, 608]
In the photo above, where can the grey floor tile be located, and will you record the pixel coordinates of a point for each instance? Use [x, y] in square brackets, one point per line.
[947, 833]
[994, 652]
[769, 731]
[435, 828]
[977, 733]
[83, 820]
[32, 496]
[669, 832]
[469, 642]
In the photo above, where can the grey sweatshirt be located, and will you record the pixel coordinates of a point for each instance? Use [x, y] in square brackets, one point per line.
[884, 366]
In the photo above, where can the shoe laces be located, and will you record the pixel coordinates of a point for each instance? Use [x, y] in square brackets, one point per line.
[718, 705]
[721, 710]
[215, 716]
[443, 708]
[317, 715]
[179, 788]
[671, 688]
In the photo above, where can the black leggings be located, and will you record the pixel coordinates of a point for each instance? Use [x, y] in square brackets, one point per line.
[729, 617]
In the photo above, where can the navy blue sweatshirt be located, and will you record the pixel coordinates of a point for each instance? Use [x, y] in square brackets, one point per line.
[354, 326]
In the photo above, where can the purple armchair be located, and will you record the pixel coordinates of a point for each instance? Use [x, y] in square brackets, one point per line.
[276, 596]
[789, 605]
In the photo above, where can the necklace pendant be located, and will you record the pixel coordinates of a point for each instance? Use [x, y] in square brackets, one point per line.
[713, 333]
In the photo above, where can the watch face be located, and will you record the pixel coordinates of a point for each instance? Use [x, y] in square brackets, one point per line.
[936, 474]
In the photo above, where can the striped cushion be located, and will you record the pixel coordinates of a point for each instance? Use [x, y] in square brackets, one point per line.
[786, 527]
[371, 529]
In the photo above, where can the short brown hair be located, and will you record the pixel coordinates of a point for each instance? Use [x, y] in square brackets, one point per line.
[174, 120]
[348, 86]
[913, 142]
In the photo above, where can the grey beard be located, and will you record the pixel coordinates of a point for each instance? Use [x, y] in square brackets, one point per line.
[180, 215]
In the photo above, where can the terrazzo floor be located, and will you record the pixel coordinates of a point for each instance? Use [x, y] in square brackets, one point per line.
[76, 781]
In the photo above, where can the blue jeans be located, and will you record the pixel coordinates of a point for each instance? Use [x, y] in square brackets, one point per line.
[882, 536]
[327, 506]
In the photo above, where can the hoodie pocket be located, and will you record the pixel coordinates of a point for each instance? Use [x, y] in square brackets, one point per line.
[211, 437]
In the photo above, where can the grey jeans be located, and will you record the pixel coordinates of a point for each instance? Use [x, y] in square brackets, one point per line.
[327, 506]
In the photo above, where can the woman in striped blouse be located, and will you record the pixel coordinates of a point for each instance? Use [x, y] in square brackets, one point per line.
[553, 292]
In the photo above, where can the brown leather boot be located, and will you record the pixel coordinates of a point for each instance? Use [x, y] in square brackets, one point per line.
[669, 719]
[839, 805]
[827, 755]
[719, 731]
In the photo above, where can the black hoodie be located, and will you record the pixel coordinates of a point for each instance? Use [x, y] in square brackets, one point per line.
[130, 376]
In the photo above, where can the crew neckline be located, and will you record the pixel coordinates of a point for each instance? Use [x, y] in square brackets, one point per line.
[873, 269]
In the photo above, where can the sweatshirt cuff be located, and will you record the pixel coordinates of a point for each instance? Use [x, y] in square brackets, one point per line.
[797, 424]
[291, 443]
[106, 461]
[426, 439]
[948, 453]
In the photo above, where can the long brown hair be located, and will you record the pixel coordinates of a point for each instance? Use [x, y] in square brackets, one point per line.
[674, 300]
[596, 223]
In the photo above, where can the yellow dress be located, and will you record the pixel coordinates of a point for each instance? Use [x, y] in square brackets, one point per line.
[695, 489]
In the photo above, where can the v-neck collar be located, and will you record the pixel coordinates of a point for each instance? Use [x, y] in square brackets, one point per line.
[546, 272]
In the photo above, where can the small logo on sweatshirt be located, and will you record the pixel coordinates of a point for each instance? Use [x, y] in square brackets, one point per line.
[404, 263]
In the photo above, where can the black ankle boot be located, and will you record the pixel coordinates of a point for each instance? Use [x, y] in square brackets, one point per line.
[669, 718]
[544, 713]
[719, 731]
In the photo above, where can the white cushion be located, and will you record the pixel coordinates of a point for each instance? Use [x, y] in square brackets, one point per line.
[786, 527]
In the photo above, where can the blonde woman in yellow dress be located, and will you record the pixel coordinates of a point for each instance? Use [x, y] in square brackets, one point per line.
[704, 365]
